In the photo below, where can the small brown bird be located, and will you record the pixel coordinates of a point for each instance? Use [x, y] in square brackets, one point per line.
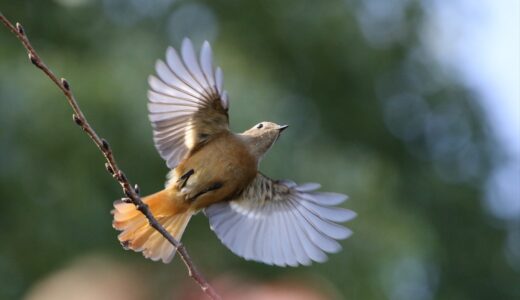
[214, 170]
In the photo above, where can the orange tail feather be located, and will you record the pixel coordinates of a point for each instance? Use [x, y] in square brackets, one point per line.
[139, 236]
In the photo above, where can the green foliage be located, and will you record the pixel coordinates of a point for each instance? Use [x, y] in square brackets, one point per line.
[359, 117]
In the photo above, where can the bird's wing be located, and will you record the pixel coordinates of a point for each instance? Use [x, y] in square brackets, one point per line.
[281, 223]
[187, 105]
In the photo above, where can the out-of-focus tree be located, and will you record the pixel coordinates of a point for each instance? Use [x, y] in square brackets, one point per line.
[372, 114]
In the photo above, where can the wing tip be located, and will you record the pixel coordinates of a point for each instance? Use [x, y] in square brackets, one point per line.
[224, 100]
[186, 41]
[158, 64]
[206, 45]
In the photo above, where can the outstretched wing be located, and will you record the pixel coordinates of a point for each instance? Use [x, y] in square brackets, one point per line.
[281, 223]
[187, 105]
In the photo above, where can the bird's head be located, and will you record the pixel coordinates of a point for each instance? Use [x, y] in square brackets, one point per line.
[262, 136]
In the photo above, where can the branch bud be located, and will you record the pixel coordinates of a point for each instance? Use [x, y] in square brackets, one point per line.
[136, 189]
[65, 84]
[105, 145]
[77, 120]
[20, 28]
[33, 59]
[126, 200]
[109, 168]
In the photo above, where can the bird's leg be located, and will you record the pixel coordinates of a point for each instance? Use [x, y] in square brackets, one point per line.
[181, 182]
[215, 186]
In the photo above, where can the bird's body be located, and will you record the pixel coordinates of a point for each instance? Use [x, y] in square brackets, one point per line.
[221, 169]
[215, 170]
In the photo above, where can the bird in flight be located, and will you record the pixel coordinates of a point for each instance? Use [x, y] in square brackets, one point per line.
[214, 170]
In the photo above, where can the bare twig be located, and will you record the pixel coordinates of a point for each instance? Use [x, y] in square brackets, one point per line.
[132, 193]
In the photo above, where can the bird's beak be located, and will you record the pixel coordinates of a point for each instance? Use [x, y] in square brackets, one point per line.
[282, 127]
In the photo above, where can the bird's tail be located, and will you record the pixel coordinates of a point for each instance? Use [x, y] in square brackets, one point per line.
[139, 236]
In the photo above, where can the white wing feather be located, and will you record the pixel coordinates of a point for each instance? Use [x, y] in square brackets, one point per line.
[287, 225]
[184, 86]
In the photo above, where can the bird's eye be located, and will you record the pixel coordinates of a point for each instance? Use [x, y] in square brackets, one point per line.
[260, 126]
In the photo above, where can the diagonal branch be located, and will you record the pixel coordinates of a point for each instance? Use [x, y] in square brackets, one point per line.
[132, 193]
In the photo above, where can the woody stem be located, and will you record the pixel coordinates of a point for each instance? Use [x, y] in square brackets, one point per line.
[132, 193]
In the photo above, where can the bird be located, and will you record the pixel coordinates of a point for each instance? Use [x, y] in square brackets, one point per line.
[216, 171]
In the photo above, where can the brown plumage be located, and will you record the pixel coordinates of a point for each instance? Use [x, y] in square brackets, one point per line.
[215, 170]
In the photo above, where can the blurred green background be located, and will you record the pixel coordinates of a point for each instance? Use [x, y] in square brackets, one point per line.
[375, 112]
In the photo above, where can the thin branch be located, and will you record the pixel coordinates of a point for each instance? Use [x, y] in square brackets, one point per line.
[132, 193]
